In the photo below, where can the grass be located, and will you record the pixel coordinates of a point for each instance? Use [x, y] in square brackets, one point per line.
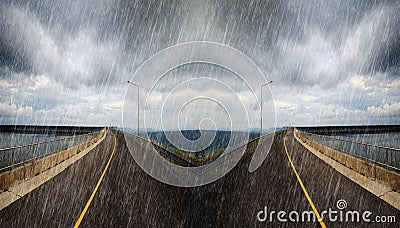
[199, 158]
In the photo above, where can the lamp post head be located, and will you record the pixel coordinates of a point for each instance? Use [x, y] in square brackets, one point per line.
[267, 83]
[132, 83]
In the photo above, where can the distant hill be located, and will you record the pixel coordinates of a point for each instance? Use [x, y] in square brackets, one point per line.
[220, 141]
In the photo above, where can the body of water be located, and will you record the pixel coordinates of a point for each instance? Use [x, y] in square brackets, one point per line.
[9, 139]
[219, 139]
[391, 139]
[385, 153]
[21, 155]
[198, 146]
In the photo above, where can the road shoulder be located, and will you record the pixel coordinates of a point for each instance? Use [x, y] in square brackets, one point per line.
[18, 191]
[383, 192]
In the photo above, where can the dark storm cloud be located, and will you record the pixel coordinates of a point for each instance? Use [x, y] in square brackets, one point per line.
[387, 56]
[304, 44]
[140, 28]
[129, 32]
[14, 60]
[12, 56]
[269, 31]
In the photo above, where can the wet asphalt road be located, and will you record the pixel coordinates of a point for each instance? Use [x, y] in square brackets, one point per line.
[128, 197]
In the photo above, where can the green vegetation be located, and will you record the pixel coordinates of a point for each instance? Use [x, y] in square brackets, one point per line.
[199, 158]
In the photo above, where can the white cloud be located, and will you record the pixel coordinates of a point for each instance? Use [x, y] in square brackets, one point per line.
[14, 110]
[385, 110]
[40, 82]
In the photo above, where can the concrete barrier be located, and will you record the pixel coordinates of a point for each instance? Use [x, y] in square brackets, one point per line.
[380, 174]
[16, 176]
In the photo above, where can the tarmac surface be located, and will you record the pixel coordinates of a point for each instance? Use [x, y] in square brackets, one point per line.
[128, 197]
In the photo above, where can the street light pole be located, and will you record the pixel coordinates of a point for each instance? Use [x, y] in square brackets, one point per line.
[262, 105]
[137, 104]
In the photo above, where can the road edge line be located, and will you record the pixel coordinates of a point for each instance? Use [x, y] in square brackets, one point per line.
[78, 222]
[303, 187]
[386, 194]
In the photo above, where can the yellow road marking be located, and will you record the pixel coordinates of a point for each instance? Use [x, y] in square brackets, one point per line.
[97, 186]
[302, 186]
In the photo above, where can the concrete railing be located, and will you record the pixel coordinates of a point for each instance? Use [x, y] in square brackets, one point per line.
[185, 159]
[364, 165]
[13, 157]
[38, 164]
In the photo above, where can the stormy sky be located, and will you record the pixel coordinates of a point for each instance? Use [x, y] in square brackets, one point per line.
[66, 62]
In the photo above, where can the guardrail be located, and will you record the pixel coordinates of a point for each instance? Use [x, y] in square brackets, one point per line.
[386, 157]
[13, 157]
[171, 155]
[183, 161]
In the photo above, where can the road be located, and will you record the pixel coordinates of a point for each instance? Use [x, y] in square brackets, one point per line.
[128, 197]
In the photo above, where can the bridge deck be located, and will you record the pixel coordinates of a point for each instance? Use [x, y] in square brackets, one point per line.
[129, 197]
